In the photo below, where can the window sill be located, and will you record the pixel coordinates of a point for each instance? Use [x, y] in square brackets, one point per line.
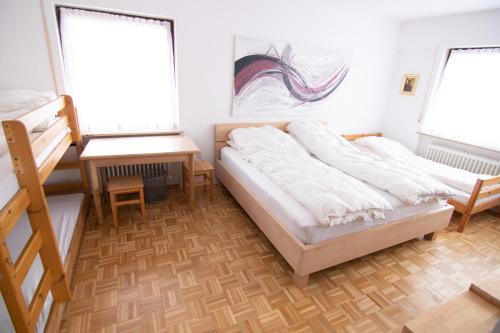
[460, 142]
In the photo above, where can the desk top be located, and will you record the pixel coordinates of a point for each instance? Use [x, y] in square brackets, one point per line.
[138, 146]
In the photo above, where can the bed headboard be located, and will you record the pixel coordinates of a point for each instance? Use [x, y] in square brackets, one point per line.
[222, 133]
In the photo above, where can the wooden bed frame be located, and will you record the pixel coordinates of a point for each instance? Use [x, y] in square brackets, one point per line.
[480, 191]
[307, 259]
[30, 197]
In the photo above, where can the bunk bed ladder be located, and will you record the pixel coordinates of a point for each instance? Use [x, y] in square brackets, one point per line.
[12, 274]
[43, 241]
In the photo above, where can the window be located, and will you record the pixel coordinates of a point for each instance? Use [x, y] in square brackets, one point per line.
[120, 71]
[466, 106]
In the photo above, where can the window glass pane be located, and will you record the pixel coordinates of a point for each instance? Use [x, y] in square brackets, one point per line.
[466, 107]
[120, 71]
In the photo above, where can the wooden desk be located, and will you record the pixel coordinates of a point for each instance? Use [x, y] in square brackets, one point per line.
[138, 150]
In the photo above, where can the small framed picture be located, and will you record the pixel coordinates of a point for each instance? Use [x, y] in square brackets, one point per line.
[409, 84]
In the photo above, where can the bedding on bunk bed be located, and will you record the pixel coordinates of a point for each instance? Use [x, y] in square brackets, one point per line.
[298, 219]
[331, 196]
[390, 149]
[405, 182]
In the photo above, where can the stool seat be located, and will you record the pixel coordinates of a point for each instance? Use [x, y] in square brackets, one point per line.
[202, 166]
[126, 185]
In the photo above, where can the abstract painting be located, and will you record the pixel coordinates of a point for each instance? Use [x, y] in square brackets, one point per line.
[279, 78]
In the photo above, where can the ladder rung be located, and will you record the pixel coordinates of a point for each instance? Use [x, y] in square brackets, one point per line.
[11, 213]
[25, 260]
[39, 297]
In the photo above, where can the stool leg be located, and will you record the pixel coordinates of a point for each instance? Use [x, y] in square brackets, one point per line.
[143, 206]
[206, 180]
[114, 209]
[183, 182]
[211, 179]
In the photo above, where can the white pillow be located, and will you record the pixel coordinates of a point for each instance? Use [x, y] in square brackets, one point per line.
[42, 127]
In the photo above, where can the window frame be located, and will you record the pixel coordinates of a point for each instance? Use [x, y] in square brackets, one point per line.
[51, 10]
[441, 58]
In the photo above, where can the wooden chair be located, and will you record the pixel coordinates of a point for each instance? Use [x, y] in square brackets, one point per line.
[202, 168]
[126, 185]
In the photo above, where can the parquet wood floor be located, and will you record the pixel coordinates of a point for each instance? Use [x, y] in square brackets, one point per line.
[213, 270]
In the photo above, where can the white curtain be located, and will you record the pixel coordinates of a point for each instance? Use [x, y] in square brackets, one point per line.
[466, 106]
[120, 71]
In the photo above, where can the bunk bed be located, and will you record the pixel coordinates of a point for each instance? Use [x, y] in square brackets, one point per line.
[39, 236]
[309, 248]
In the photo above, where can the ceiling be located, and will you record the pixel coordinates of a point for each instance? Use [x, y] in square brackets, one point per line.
[416, 9]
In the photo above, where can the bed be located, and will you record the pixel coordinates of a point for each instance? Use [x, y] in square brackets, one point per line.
[33, 227]
[289, 228]
[469, 199]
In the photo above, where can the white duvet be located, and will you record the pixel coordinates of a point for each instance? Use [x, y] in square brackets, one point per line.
[390, 149]
[405, 182]
[331, 196]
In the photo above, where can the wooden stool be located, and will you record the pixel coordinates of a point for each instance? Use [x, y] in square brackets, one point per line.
[126, 185]
[206, 170]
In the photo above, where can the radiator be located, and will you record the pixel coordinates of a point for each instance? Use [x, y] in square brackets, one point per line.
[149, 169]
[462, 160]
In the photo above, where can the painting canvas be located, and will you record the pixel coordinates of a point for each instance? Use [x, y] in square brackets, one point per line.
[279, 78]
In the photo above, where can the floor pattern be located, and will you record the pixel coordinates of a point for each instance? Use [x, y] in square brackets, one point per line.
[212, 270]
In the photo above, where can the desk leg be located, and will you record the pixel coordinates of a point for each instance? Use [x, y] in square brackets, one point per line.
[95, 192]
[190, 179]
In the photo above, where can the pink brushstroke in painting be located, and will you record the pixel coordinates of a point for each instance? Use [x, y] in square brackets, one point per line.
[255, 66]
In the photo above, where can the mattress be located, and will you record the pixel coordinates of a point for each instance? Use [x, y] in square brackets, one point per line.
[64, 210]
[295, 217]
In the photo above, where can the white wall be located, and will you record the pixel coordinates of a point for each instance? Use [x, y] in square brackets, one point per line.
[205, 33]
[24, 57]
[418, 43]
